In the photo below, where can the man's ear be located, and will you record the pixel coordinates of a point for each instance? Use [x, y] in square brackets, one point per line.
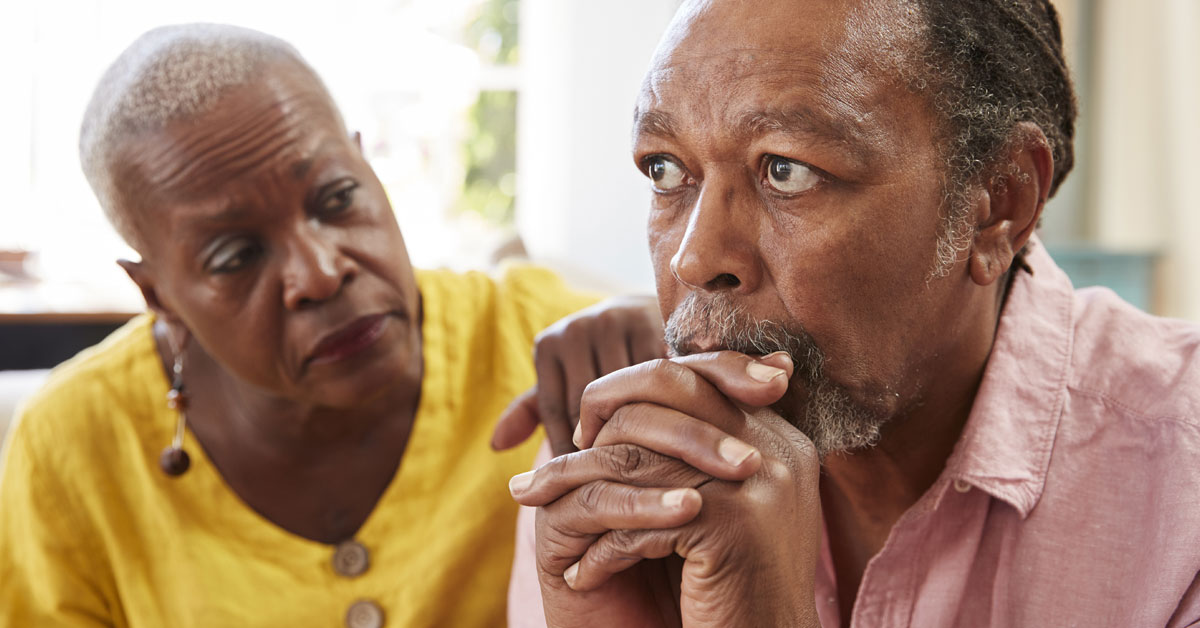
[141, 276]
[1016, 194]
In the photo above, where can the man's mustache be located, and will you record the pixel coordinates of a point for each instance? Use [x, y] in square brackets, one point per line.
[716, 322]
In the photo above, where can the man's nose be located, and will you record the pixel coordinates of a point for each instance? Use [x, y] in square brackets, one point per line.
[719, 249]
[316, 269]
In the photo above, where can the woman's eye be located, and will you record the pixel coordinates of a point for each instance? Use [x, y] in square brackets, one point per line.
[665, 175]
[339, 199]
[233, 256]
[790, 177]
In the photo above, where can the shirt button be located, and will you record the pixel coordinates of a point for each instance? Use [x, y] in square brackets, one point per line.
[350, 559]
[364, 614]
[961, 485]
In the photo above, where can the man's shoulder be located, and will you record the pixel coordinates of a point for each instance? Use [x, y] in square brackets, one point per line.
[1144, 366]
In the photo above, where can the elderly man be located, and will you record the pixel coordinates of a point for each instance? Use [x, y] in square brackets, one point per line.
[887, 406]
[335, 463]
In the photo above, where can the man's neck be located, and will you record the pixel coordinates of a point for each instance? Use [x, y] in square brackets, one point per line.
[864, 493]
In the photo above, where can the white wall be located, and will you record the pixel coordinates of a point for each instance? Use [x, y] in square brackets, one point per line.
[581, 202]
[1146, 130]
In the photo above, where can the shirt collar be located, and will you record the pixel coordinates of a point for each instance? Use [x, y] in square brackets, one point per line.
[1006, 443]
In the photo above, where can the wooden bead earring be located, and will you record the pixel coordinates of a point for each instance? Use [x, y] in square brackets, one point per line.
[174, 460]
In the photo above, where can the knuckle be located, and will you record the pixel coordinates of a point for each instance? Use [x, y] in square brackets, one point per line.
[575, 332]
[660, 367]
[559, 466]
[609, 315]
[545, 345]
[590, 497]
[619, 539]
[777, 470]
[609, 548]
[630, 459]
[619, 422]
[592, 394]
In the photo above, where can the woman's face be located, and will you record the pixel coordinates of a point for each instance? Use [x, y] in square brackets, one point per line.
[268, 237]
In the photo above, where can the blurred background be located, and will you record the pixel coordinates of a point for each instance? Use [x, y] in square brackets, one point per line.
[503, 126]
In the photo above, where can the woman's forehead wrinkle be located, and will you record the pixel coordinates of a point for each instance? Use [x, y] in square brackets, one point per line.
[207, 154]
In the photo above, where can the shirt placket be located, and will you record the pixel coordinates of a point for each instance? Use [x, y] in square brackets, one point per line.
[887, 592]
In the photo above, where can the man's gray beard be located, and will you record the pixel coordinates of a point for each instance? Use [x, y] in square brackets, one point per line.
[830, 417]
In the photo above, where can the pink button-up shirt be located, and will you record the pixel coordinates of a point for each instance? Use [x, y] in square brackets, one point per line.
[1072, 497]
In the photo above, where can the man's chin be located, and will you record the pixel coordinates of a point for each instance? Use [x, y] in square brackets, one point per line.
[830, 418]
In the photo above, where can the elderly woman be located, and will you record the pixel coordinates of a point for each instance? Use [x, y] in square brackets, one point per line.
[335, 462]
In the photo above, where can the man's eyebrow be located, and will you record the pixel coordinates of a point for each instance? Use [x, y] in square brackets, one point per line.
[798, 121]
[658, 123]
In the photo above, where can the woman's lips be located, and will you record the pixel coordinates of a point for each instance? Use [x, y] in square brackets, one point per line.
[349, 340]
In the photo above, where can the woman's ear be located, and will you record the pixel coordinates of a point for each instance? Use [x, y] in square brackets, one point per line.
[141, 276]
[1016, 195]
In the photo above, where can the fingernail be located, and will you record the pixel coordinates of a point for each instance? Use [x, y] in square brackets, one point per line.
[520, 482]
[762, 372]
[734, 451]
[674, 499]
[570, 574]
[578, 435]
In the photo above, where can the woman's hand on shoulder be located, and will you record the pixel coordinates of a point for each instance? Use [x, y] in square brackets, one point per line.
[572, 353]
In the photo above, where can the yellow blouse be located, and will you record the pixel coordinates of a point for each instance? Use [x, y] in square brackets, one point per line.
[93, 533]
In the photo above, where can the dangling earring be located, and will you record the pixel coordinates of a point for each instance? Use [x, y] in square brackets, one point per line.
[174, 460]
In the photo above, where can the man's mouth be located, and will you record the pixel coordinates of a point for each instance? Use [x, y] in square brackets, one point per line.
[349, 340]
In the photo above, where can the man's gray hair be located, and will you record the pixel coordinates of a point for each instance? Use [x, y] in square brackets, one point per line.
[168, 74]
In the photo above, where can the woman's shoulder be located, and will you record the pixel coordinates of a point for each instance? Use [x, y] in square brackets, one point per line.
[83, 395]
[519, 296]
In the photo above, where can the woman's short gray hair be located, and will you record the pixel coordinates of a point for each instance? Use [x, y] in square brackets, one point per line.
[170, 73]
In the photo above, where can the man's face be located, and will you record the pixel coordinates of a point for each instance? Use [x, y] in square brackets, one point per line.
[796, 180]
[269, 237]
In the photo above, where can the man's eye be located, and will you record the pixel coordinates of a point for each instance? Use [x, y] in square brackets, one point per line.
[339, 199]
[788, 176]
[233, 256]
[665, 175]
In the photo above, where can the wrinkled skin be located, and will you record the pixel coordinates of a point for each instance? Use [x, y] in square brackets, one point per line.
[573, 353]
[265, 233]
[808, 188]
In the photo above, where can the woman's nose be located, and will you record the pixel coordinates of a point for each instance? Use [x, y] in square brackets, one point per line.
[316, 269]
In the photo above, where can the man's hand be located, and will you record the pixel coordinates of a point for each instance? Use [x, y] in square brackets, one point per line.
[569, 355]
[685, 463]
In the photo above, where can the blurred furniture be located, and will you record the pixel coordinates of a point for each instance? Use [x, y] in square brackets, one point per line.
[42, 340]
[43, 323]
[14, 387]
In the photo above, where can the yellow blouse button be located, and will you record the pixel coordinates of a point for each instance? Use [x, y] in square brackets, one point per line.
[364, 614]
[350, 559]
